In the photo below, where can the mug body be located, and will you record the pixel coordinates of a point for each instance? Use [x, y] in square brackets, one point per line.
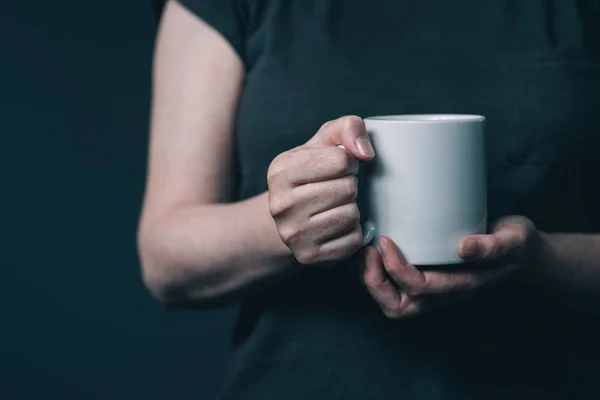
[427, 183]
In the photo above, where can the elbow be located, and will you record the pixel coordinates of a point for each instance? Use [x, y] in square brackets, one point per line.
[159, 272]
[162, 288]
[172, 281]
[173, 293]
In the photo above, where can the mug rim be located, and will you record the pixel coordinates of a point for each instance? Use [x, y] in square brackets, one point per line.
[427, 118]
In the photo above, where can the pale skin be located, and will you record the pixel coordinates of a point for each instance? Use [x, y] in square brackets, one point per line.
[198, 246]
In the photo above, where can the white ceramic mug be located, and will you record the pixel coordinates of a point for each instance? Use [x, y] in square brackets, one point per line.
[426, 187]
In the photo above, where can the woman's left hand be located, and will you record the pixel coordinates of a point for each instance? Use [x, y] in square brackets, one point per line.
[402, 290]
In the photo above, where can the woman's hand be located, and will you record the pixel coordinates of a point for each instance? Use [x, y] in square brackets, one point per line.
[401, 290]
[312, 192]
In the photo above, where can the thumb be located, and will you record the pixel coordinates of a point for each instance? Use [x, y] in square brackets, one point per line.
[507, 239]
[348, 131]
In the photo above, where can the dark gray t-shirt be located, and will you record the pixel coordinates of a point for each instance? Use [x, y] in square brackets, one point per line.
[533, 69]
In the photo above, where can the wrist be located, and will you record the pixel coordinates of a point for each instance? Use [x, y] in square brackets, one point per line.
[269, 235]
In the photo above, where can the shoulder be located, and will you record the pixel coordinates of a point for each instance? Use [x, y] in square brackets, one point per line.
[227, 17]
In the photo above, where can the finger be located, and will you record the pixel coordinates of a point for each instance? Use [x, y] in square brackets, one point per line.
[504, 241]
[348, 131]
[342, 247]
[405, 307]
[456, 282]
[311, 165]
[409, 278]
[333, 223]
[322, 196]
[383, 291]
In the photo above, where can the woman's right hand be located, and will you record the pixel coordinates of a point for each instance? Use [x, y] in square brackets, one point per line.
[313, 189]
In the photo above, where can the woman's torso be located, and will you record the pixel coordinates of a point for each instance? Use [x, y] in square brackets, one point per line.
[533, 69]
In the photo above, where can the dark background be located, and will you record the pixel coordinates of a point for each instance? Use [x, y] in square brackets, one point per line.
[76, 321]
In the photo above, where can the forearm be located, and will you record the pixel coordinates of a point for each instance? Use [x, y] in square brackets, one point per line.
[214, 253]
[569, 265]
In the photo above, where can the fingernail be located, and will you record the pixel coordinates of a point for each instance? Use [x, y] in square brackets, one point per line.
[381, 246]
[364, 147]
[469, 249]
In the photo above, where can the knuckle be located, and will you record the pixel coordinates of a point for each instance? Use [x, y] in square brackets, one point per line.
[370, 282]
[354, 214]
[276, 169]
[495, 247]
[487, 247]
[274, 207]
[308, 256]
[349, 248]
[351, 187]
[521, 236]
[413, 291]
[392, 269]
[278, 206]
[353, 123]
[391, 311]
[339, 160]
[379, 285]
[412, 312]
[418, 287]
[289, 232]
[356, 240]
[326, 125]
[391, 315]
[500, 249]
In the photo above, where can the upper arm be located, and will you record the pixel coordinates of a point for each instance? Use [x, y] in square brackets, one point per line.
[197, 79]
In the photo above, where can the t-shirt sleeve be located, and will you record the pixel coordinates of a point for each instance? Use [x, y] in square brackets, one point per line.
[225, 16]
